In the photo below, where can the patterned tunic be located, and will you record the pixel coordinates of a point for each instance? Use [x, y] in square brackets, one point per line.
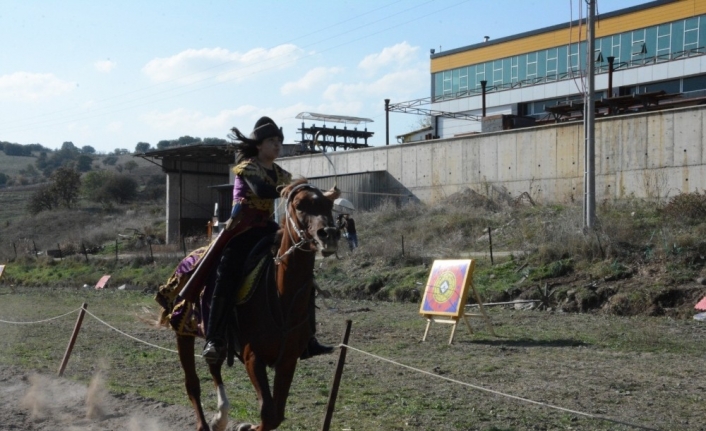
[255, 210]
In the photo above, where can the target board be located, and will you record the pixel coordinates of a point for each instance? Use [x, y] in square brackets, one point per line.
[445, 294]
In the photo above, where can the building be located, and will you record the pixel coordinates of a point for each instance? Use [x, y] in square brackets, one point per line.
[646, 57]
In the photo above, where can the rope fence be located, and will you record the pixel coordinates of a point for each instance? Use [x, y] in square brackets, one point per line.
[344, 346]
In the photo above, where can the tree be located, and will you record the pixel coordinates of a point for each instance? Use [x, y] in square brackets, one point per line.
[15, 149]
[187, 140]
[110, 160]
[214, 141]
[87, 149]
[120, 188]
[43, 199]
[142, 147]
[92, 185]
[130, 165]
[66, 185]
[3, 178]
[161, 145]
[83, 163]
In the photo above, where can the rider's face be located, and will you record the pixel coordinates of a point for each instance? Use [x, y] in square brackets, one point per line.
[269, 149]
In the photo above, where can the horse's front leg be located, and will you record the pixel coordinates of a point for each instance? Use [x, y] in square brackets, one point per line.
[284, 374]
[258, 377]
[185, 346]
[220, 421]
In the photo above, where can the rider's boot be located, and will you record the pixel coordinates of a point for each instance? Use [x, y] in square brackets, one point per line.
[215, 347]
[314, 348]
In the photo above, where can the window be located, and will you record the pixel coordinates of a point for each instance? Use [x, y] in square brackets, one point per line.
[463, 79]
[664, 41]
[691, 33]
[497, 72]
[573, 60]
[514, 69]
[552, 63]
[694, 83]
[639, 48]
[531, 65]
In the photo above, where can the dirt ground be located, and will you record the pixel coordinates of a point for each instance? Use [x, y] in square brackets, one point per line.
[639, 372]
[30, 401]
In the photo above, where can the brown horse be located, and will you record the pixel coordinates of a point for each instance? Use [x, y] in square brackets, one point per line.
[273, 325]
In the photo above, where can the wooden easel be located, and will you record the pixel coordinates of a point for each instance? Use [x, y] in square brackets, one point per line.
[463, 316]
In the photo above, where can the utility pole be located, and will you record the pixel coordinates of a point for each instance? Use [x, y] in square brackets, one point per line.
[589, 119]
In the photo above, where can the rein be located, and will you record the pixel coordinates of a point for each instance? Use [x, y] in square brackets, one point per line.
[303, 240]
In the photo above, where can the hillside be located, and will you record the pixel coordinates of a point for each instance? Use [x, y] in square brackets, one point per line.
[89, 224]
[643, 257]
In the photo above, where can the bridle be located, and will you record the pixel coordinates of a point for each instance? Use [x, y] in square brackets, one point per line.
[303, 238]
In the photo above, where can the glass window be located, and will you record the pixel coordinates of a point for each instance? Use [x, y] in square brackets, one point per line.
[455, 77]
[573, 60]
[497, 72]
[514, 69]
[531, 65]
[615, 47]
[447, 82]
[691, 33]
[672, 86]
[463, 79]
[694, 83]
[664, 41]
[472, 83]
[480, 74]
[552, 63]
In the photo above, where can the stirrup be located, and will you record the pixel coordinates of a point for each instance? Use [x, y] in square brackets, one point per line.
[213, 352]
[314, 348]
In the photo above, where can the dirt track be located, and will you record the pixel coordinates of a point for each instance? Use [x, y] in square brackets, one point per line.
[643, 371]
[30, 401]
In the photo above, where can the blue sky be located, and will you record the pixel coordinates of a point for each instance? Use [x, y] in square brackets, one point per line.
[110, 74]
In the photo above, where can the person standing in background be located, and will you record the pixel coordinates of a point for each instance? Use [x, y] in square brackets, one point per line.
[349, 226]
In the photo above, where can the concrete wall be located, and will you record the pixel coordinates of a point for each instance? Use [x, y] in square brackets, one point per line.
[650, 155]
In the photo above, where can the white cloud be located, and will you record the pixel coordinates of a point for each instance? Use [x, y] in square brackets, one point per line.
[24, 86]
[395, 86]
[186, 122]
[397, 55]
[312, 78]
[197, 64]
[104, 66]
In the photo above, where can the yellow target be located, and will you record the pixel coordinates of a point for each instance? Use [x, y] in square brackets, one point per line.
[445, 287]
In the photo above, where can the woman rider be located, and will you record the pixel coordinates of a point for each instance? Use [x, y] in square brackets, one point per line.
[254, 191]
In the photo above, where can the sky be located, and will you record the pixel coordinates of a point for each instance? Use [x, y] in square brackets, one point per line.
[111, 74]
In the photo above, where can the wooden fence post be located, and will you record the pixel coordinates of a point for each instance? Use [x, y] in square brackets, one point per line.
[85, 252]
[336, 379]
[490, 241]
[70, 347]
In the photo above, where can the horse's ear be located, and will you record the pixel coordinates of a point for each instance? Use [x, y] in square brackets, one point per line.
[333, 193]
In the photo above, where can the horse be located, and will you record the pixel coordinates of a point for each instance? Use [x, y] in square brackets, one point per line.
[273, 325]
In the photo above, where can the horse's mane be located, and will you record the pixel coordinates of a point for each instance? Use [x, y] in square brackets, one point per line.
[288, 188]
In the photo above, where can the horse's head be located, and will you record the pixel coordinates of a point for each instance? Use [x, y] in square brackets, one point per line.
[309, 217]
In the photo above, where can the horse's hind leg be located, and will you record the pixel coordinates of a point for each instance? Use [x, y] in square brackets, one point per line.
[185, 346]
[221, 419]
